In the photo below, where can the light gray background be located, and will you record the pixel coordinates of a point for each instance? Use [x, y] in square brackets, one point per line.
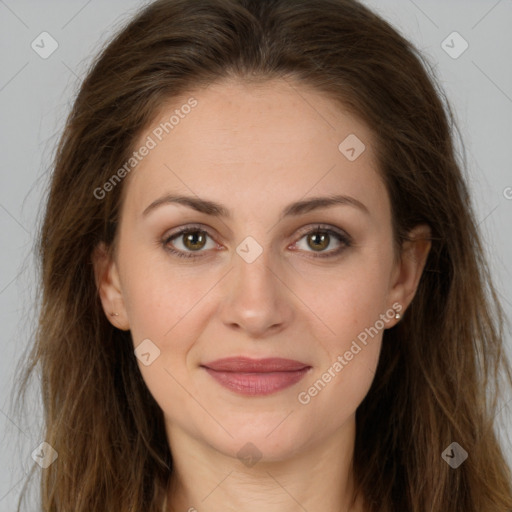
[36, 93]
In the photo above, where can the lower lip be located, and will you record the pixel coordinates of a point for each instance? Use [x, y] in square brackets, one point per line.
[257, 384]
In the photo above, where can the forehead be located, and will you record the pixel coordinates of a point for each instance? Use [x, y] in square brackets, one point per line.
[255, 145]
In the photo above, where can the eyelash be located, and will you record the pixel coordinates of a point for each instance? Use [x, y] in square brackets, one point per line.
[340, 236]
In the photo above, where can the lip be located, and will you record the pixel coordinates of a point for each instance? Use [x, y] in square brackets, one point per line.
[248, 365]
[256, 376]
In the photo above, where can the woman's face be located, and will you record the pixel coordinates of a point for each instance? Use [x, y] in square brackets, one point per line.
[263, 280]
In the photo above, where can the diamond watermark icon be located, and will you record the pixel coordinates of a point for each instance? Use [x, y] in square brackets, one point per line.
[454, 45]
[44, 455]
[454, 455]
[147, 352]
[351, 147]
[249, 454]
[249, 249]
[44, 45]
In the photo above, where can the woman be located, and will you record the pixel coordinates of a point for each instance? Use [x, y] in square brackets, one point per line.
[263, 286]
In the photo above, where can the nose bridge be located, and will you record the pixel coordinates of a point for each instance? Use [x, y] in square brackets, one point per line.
[255, 299]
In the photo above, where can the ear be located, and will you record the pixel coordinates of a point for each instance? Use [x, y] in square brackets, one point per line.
[109, 287]
[409, 267]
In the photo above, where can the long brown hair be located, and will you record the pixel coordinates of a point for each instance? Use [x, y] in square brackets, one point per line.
[440, 369]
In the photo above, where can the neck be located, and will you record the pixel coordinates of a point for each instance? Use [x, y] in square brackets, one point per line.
[318, 477]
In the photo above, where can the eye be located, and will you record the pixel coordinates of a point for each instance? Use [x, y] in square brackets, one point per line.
[193, 239]
[320, 237]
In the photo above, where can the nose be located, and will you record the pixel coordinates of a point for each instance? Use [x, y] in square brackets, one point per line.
[256, 299]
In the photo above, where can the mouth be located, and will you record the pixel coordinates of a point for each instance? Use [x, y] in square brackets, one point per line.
[256, 377]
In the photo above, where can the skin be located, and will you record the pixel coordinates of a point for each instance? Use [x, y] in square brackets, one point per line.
[256, 149]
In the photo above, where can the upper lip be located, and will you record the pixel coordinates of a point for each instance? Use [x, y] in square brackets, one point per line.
[245, 364]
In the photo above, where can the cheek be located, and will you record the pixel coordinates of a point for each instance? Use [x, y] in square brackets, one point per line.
[350, 358]
[347, 299]
[169, 306]
[163, 305]
[353, 305]
[335, 393]
[158, 295]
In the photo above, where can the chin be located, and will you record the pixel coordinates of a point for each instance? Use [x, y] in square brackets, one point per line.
[277, 438]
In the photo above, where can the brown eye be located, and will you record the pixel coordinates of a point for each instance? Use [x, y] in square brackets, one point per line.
[194, 240]
[186, 242]
[318, 240]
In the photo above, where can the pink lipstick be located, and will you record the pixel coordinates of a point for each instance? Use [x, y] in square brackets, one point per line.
[256, 376]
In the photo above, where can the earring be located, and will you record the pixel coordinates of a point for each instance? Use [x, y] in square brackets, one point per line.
[114, 314]
[397, 315]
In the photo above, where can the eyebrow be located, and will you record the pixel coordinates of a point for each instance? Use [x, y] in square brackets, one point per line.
[292, 210]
